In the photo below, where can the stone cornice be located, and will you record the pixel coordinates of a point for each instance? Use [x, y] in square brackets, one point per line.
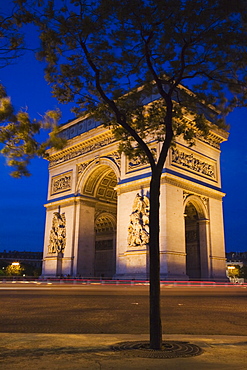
[219, 258]
[215, 138]
[100, 136]
[134, 252]
[82, 148]
[133, 185]
[69, 201]
[170, 179]
[174, 253]
[192, 186]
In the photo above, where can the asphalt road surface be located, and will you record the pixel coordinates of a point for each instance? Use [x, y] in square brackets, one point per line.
[97, 309]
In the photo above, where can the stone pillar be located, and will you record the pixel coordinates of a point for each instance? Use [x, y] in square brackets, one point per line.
[172, 234]
[204, 248]
[84, 246]
[218, 259]
[52, 266]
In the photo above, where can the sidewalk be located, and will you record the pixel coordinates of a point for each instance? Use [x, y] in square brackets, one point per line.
[94, 352]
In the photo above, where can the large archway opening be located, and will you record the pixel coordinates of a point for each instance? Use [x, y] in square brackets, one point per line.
[100, 186]
[192, 239]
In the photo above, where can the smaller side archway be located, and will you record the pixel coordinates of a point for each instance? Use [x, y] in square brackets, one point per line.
[105, 245]
[93, 170]
[196, 238]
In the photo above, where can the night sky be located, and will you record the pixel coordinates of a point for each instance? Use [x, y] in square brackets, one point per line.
[22, 215]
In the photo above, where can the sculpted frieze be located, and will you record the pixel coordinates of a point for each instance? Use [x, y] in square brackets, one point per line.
[80, 150]
[136, 163]
[61, 183]
[81, 167]
[116, 157]
[191, 162]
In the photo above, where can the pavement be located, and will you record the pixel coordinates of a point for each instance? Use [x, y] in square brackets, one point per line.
[94, 352]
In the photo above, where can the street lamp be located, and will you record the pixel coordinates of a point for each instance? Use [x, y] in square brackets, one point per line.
[15, 264]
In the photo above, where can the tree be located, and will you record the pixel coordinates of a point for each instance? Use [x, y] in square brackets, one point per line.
[18, 132]
[243, 272]
[15, 269]
[19, 135]
[11, 39]
[125, 63]
[234, 271]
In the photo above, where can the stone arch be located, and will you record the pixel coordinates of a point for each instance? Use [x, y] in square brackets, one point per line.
[198, 204]
[104, 223]
[100, 184]
[196, 240]
[97, 186]
[97, 164]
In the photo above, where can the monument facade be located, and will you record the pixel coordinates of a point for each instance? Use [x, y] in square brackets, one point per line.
[97, 213]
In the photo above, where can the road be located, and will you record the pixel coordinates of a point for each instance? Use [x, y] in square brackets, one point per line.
[99, 309]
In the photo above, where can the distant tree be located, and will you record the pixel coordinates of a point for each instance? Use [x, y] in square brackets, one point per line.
[14, 270]
[3, 264]
[243, 272]
[234, 272]
[111, 58]
[30, 270]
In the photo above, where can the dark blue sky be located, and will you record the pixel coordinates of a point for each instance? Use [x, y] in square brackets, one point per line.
[22, 215]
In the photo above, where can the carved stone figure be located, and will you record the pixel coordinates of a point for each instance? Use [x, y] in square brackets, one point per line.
[138, 230]
[57, 233]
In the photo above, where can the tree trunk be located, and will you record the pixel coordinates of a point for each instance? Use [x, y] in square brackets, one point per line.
[154, 264]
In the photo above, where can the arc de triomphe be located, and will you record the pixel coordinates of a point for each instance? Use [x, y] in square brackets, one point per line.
[98, 206]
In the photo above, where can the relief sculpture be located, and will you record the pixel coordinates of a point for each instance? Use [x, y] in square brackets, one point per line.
[191, 162]
[61, 183]
[58, 233]
[138, 231]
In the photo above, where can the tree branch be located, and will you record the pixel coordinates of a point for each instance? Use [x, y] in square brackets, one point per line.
[121, 118]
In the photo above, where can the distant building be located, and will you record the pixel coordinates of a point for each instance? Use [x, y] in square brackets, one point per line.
[234, 262]
[31, 258]
[233, 257]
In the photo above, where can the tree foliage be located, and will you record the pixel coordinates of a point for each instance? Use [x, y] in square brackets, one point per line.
[99, 51]
[14, 270]
[11, 38]
[19, 135]
[134, 64]
[19, 140]
[243, 272]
